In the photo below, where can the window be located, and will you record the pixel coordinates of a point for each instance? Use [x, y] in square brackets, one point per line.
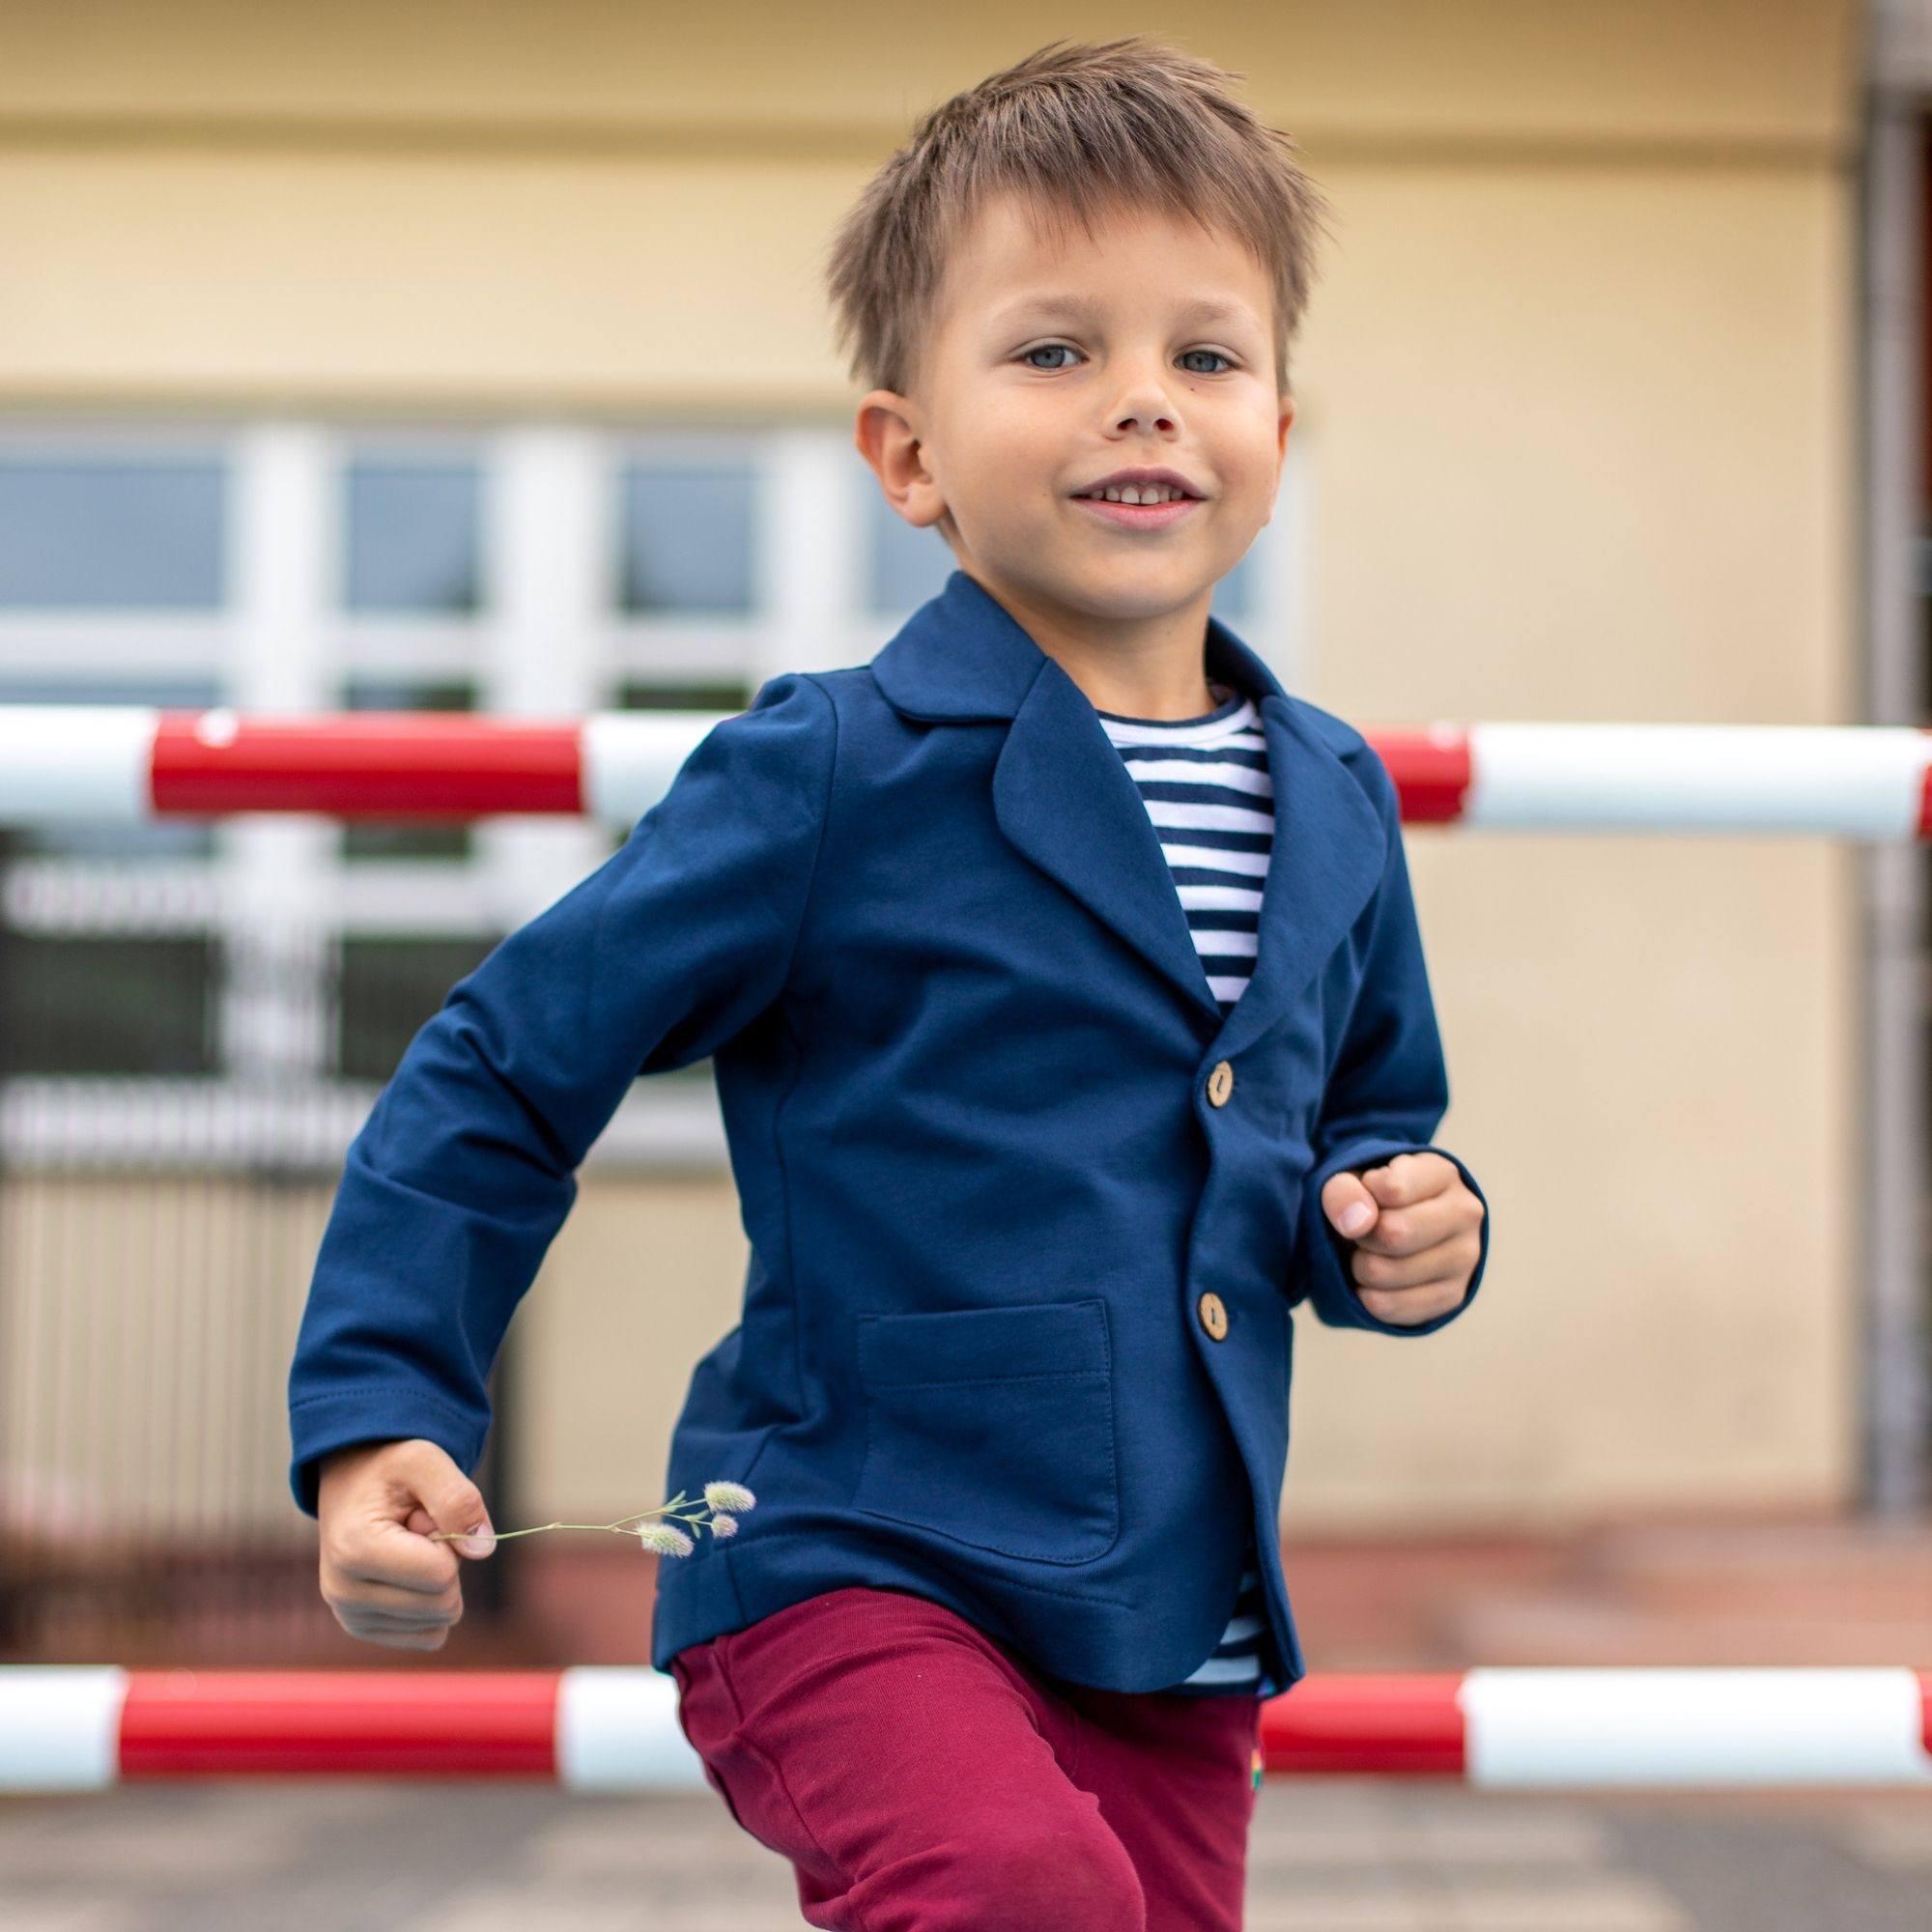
[94, 1004]
[684, 538]
[904, 566]
[387, 988]
[95, 530]
[412, 537]
[637, 694]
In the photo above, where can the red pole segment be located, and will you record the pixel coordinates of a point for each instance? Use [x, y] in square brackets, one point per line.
[366, 764]
[1343, 1721]
[353, 1723]
[1433, 771]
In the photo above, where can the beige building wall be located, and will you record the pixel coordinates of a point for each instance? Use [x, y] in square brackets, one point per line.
[1577, 395]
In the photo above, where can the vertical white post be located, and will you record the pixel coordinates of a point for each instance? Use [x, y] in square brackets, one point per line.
[805, 554]
[546, 518]
[276, 870]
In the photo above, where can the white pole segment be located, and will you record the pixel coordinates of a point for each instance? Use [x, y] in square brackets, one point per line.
[630, 758]
[1858, 781]
[1690, 1726]
[617, 1730]
[88, 761]
[60, 1726]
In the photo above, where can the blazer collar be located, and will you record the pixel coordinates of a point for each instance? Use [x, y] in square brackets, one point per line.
[1064, 796]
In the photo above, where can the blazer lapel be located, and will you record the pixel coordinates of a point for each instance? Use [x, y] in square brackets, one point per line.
[1065, 797]
[1062, 795]
[1324, 863]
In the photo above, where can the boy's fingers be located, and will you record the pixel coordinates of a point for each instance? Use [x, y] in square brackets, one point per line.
[381, 1553]
[401, 1632]
[375, 1599]
[1409, 1231]
[381, 1603]
[1410, 1177]
[1440, 1261]
[1418, 1302]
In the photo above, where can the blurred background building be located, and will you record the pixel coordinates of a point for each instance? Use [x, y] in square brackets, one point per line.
[475, 356]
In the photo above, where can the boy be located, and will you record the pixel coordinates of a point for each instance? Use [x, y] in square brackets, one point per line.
[1070, 1023]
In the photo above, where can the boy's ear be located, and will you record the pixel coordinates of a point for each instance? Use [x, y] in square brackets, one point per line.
[883, 434]
[1287, 416]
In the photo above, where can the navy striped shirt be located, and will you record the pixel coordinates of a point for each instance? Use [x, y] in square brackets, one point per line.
[1204, 782]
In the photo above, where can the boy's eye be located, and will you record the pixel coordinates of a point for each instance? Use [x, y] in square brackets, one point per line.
[1051, 347]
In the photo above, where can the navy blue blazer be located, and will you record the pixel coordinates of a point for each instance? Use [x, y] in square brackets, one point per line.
[919, 917]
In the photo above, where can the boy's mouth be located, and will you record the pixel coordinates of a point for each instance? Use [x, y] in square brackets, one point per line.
[1140, 516]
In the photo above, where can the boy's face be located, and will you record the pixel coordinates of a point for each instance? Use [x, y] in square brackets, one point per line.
[1021, 404]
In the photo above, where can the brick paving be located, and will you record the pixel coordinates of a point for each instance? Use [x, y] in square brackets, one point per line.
[1327, 1855]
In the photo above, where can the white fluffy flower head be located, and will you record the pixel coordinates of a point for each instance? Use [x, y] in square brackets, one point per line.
[664, 1540]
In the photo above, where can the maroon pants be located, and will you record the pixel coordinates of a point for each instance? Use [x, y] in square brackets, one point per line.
[920, 1776]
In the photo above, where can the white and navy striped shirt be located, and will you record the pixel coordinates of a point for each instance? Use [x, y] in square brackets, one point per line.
[1204, 782]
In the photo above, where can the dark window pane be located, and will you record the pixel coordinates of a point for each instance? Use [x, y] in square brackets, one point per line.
[100, 1005]
[643, 695]
[165, 694]
[389, 986]
[905, 566]
[684, 538]
[411, 536]
[375, 838]
[112, 532]
[166, 838]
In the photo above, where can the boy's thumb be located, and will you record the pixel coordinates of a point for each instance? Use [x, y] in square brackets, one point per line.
[460, 1507]
[1348, 1205]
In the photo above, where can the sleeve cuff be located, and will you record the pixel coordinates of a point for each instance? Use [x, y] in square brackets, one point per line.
[1326, 1254]
[333, 1421]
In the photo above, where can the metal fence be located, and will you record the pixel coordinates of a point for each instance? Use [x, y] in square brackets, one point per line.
[159, 1214]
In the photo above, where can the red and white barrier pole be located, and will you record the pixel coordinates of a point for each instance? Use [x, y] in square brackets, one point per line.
[72, 1727]
[129, 764]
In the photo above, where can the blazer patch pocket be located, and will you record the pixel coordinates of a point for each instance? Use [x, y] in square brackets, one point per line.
[993, 1426]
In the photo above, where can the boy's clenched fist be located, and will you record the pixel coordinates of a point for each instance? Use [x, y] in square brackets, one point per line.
[1416, 1230]
[382, 1575]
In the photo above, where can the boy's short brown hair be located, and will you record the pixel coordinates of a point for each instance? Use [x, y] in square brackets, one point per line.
[1079, 128]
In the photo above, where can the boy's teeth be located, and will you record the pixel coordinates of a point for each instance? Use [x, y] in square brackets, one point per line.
[1146, 492]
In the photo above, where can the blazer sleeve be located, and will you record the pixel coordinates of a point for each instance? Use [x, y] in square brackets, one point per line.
[465, 1169]
[1385, 1095]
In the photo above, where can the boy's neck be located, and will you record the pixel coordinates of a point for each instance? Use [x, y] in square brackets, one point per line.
[1153, 668]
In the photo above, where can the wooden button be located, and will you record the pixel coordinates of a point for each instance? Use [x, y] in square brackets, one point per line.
[1213, 1315]
[1220, 1083]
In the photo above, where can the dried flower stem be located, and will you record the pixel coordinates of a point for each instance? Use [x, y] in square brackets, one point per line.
[729, 1497]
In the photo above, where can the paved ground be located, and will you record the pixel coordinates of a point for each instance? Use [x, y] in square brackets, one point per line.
[1327, 1856]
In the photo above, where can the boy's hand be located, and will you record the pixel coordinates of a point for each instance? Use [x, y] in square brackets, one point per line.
[385, 1580]
[1418, 1245]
